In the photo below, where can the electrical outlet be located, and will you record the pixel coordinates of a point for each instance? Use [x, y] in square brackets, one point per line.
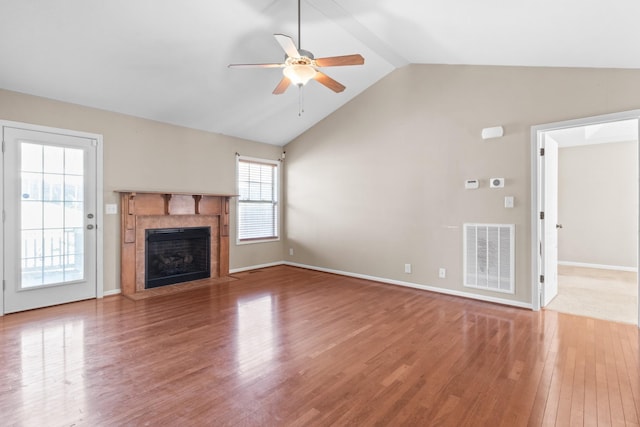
[442, 273]
[290, 251]
[407, 268]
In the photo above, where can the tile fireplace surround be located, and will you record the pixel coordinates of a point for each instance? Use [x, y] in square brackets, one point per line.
[142, 210]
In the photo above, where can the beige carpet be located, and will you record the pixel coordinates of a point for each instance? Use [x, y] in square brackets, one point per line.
[603, 294]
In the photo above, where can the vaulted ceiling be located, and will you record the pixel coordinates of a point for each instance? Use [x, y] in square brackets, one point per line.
[166, 60]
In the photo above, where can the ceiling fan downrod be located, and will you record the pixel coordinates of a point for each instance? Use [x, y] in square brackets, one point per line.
[300, 101]
[299, 39]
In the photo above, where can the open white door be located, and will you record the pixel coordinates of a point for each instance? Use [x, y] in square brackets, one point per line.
[549, 224]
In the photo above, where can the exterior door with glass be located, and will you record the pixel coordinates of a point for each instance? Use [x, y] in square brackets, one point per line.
[49, 185]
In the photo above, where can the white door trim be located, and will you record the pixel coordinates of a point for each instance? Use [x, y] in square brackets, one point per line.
[99, 197]
[535, 202]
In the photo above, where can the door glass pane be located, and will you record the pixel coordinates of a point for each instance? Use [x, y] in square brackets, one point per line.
[73, 162]
[31, 186]
[52, 215]
[31, 257]
[31, 215]
[53, 185]
[31, 157]
[53, 159]
[74, 249]
[73, 187]
[73, 214]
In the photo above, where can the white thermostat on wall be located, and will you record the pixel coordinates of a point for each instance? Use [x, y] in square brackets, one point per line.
[496, 182]
[471, 184]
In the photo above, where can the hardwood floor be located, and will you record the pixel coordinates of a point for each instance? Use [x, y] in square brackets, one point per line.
[285, 346]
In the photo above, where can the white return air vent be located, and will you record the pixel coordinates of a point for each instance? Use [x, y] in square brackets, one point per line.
[489, 256]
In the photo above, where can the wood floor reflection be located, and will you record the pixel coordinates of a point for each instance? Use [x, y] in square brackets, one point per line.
[285, 346]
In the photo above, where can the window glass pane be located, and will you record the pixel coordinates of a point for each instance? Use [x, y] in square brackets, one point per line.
[266, 175]
[243, 189]
[266, 192]
[254, 191]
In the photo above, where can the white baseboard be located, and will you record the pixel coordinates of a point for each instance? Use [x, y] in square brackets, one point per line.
[112, 292]
[598, 266]
[255, 267]
[416, 286]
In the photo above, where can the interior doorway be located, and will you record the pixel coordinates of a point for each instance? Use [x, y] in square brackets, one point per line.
[585, 216]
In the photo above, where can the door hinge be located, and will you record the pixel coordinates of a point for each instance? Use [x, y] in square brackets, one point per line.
[542, 151]
[542, 278]
[3, 145]
[3, 284]
[541, 215]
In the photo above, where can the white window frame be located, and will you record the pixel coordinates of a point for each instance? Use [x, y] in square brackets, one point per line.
[275, 201]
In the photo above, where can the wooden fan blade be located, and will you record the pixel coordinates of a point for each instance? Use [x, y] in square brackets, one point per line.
[256, 66]
[329, 82]
[288, 45]
[337, 61]
[282, 86]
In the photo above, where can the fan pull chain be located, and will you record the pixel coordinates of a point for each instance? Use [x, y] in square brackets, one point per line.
[300, 102]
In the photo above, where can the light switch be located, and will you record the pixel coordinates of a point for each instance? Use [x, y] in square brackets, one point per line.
[508, 202]
[110, 209]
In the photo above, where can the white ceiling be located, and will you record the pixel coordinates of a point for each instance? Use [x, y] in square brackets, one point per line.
[167, 60]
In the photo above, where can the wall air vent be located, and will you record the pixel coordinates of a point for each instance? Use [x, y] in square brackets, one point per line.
[489, 256]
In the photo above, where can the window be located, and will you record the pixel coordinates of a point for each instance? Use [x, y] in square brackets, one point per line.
[258, 201]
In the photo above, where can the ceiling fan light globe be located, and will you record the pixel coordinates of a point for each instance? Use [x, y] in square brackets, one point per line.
[299, 74]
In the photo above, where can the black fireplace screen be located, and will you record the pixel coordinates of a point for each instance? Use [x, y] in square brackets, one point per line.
[176, 255]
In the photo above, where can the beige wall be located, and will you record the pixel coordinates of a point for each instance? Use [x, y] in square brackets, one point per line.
[380, 183]
[598, 204]
[141, 154]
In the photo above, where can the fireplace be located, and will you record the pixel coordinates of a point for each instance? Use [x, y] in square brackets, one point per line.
[179, 216]
[176, 255]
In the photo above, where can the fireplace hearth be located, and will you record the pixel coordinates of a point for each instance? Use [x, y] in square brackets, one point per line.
[176, 255]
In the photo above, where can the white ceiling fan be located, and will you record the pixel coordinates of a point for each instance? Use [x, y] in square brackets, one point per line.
[300, 66]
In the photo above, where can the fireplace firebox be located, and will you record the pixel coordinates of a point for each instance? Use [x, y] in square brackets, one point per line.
[176, 255]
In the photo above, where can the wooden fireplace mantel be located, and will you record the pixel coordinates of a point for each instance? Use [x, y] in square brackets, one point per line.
[142, 210]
